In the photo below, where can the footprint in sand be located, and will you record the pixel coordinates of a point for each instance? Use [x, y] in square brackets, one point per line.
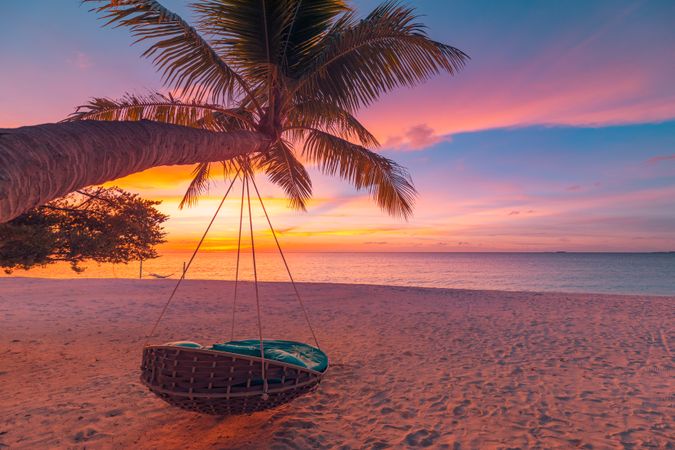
[379, 445]
[85, 435]
[460, 410]
[421, 438]
[114, 412]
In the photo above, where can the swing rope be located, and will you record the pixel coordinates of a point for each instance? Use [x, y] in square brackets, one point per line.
[245, 192]
[257, 295]
[288, 270]
[236, 274]
[182, 277]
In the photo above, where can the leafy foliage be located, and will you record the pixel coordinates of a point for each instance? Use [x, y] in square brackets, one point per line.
[283, 169]
[363, 59]
[106, 225]
[162, 108]
[388, 183]
[295, 70]
[185, 58]
[198, 185]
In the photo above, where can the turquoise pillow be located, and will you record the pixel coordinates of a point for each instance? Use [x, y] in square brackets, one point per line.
[290, 352]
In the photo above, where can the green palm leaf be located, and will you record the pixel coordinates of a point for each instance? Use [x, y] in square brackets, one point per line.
[283, 169]
[388, 183]
[185, 58]
[265, 37]
[330, 118]
[198, 185]
[294, 71]
[311, 21]
[161, 108]
[361, 60]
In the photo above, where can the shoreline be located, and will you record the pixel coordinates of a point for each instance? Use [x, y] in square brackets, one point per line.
[322, 283]
[410, 367]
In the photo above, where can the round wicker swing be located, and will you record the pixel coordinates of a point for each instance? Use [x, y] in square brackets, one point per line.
[218, 382]
[221, 383]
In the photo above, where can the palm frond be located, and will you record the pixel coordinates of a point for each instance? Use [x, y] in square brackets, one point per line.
[297, 71]
[246, 165]
[311, 21]
[198, 185]
[249, 32]
[387, 182]
[161, 108]
[185, 58]
[361, 60]
[330, 118]
[260, 36]
[229, 120]
[284, 170]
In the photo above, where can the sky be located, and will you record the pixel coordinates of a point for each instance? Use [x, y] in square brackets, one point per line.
[559, 135]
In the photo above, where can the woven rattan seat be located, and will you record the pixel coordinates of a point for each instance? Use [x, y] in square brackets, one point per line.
[221, 383]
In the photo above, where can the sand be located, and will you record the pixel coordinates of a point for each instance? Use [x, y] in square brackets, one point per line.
[411, 367]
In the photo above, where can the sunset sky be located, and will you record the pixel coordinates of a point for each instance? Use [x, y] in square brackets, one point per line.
[558, 135]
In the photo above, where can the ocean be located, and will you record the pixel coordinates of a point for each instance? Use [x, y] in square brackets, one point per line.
[617, 273]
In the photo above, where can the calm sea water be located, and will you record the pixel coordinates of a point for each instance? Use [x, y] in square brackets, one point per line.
[626, 273]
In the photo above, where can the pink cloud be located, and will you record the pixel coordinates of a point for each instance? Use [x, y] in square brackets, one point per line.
[565, 83]
[417, 137]
[660, 158]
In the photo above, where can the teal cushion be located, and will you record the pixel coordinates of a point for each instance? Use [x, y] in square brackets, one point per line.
[290, 352]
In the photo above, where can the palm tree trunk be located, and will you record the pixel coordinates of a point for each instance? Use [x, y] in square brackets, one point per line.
[43, 162]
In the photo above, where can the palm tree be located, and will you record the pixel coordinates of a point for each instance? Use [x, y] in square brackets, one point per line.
[263, 84]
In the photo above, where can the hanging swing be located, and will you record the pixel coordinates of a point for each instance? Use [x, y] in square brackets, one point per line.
[235, 377]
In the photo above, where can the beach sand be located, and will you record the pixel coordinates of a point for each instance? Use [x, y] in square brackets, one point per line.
[411, 367]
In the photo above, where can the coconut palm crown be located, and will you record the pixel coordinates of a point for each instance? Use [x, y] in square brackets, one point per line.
[296, 71]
